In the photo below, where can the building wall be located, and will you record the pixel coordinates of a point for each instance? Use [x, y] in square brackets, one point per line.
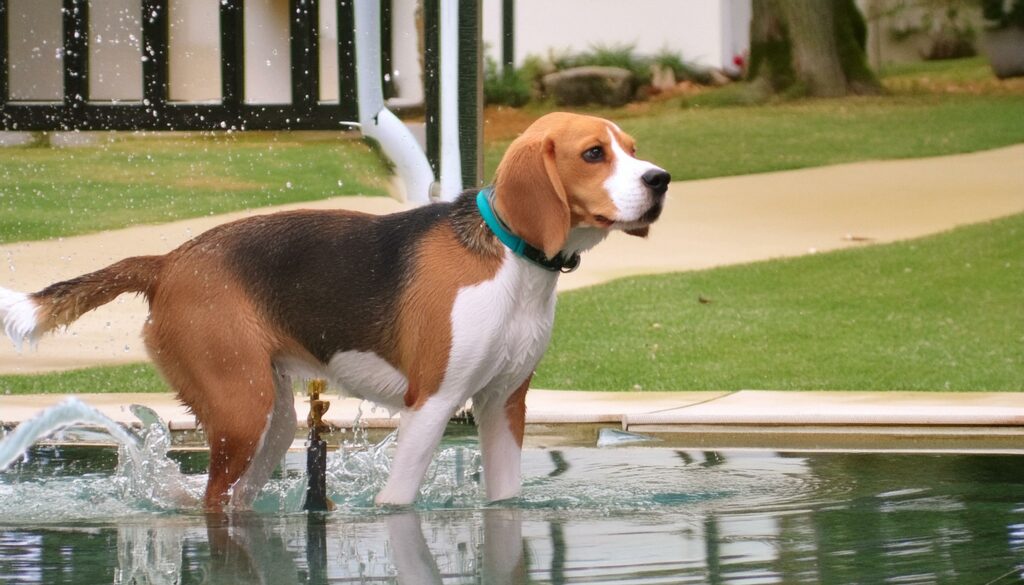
[115, 50]
[406, 59]
[267, 52]
[194, 46]
[35, 50]
[706, 32]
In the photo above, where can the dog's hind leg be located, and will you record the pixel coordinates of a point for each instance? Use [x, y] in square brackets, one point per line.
[213, 348]
[237, 414]
[278, 436]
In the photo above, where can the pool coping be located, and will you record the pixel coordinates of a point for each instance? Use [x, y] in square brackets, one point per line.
[629, 410]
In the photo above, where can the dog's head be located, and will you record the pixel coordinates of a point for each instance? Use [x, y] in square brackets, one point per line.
[569, 170]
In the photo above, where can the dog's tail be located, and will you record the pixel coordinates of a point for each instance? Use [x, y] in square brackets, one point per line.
[26, 317]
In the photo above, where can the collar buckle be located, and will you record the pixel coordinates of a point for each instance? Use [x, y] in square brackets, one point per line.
[569, 264]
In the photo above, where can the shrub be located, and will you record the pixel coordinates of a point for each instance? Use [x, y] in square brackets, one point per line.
[680, 68]
[504, 87]
[621, 56]
[1003, 13]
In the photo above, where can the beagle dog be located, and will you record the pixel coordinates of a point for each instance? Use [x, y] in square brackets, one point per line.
[419, 311]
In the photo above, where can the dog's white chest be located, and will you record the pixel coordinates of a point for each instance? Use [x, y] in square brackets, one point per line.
[501, 327]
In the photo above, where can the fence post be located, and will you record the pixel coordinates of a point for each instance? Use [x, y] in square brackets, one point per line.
[4, 90]
[76, 62]
[508, 36]
[432, 81]
[155, 55]
[232, 56]
[305, 54]
[471, 72]
[348, 96]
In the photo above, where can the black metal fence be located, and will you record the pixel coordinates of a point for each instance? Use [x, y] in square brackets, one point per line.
[76, 111]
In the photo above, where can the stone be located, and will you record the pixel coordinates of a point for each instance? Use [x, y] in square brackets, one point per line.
[662, 78]
[606, 86]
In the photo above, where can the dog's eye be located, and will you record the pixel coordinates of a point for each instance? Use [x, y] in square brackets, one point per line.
[594, 155]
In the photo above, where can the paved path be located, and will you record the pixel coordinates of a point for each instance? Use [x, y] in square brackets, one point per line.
[707, 223]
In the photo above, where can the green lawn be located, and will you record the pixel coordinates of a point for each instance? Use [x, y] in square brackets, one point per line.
[944, 312]
[47, 192]
[704, 142]
[140, 377]
[939, 313]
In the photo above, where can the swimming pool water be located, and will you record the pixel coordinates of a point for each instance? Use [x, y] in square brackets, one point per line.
[639, 514]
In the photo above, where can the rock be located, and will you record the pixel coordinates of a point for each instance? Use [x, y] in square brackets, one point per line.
[662, 78]
[607, 86]
[718, 78]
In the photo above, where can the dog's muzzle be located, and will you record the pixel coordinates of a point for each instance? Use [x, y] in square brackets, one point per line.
[656, 181]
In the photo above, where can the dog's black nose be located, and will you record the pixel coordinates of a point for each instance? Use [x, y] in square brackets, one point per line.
[657, 180]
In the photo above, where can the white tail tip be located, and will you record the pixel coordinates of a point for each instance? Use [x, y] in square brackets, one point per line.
[18, 317]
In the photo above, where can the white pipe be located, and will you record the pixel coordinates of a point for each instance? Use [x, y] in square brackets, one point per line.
[451, 159]
[377, 122]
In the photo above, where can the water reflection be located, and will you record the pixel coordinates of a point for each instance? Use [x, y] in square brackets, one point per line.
[701, 517]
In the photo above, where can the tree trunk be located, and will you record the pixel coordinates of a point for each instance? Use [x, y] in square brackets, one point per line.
[810, 47]
[811, 26]
[770, 62]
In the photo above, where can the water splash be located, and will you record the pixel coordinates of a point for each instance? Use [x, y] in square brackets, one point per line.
[145, 480]
[145, 472]
[360, 469]
[68, 413]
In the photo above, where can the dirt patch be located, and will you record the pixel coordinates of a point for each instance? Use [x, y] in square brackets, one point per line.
[503, 123]
[944, 86]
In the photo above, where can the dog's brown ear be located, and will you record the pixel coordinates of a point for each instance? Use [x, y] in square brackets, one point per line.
[640, 232]
[529, 194]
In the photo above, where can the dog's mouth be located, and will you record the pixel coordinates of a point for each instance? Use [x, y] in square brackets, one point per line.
[652, 214]
[649, 217]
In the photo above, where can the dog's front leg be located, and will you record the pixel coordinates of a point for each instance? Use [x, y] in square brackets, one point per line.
[501, 422]
[419, 433]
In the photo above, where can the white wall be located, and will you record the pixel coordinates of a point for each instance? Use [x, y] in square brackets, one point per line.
[268, 65]
[736, 15]
[706, 32]
[405, 57]
[35, 50]
[194, 47]
[115, 50]
[328, 51]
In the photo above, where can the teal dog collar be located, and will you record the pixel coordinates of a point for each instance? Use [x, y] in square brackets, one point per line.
[519, 246]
